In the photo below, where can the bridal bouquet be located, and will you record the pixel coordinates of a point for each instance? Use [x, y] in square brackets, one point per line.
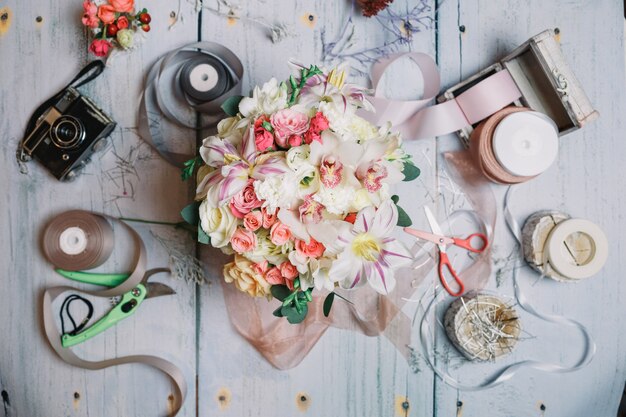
[297, 186]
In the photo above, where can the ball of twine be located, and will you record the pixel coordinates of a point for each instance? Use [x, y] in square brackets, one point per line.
[482, 327]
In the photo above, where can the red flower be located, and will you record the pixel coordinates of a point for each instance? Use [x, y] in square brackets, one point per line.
[100, 47]
[263, 138]
[373, 7]
[318, 123]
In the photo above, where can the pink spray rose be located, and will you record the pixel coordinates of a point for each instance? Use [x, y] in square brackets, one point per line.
[89, 17]
[288, 270]
[295, 140]
[268, 219]
[287, 123]
[123, 6]
[313, 249]
[280, 234]
[122, 22]
[106, 13]
[243, 240]
[99, 47]
[253, 221]
[260, 268]
[244, 201]
[263, 139]
[274, 277]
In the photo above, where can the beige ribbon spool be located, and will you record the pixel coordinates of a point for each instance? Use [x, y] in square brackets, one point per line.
[512, 142]
[482, 327]
[98, 246]
[562, 248]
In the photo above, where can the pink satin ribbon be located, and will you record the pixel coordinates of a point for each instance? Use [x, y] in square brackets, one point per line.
[415, 119]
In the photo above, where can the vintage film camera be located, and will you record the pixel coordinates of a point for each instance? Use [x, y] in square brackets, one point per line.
[66, 133]
[546, 82]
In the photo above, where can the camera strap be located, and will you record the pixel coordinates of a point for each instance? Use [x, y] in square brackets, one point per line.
[85, 75]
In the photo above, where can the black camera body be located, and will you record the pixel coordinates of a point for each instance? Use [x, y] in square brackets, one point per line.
[67, 133]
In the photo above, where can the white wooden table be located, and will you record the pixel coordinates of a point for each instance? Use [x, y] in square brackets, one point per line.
[346, 374]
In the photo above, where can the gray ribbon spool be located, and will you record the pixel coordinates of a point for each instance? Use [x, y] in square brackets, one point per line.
[167, 94]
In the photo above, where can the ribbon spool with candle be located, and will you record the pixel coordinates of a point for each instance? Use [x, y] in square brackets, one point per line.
[562, 248]
[515, 145]
[482, 327]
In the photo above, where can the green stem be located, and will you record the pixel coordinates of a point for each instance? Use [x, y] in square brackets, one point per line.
[129, 219]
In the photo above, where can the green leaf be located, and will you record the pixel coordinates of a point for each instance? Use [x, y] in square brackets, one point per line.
[294, 315]
[267, 126]
[190, 213]
[328, 303]
[410, 171]
[190, 165]
[395, 199]
[278, 312]
[403, 219]
[231, 105]
[202, 236]
[280, 292]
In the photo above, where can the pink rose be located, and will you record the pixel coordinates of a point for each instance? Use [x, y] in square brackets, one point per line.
[280, 234]
[313, 249]
[106, 13]
[253, 220]
[122, 22]
[243, 240]
[260, 268]
[288, 270]
[295, 140]
[286, 123]
[99, 47]
[268, 219]
[123, 6]
[274, 277]
[244, 201]
[89, 17]
[263, 139]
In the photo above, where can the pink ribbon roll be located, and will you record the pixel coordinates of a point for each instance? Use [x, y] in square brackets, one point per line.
[415, 119]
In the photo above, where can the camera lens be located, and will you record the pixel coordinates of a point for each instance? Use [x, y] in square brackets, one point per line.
[67, 132]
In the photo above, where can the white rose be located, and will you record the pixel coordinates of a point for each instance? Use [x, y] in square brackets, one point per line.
[266, 250]
[219, 223]
[227, 126]
[298, 157]
[308, 181]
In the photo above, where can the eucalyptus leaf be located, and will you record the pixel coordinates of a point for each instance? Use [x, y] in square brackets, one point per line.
[202, 236]
[231, 105]
[295, 316]
[395, 199]
[280, 292]
[403, 219]
[410, 171]
[328, 303]
[190, 213]
[278, 312]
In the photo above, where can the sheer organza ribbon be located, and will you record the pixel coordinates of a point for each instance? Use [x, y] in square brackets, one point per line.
[285, 345]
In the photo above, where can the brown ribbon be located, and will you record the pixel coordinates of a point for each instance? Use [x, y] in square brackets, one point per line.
[93, 223]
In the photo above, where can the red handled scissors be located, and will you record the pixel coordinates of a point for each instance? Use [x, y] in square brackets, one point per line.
[442, 242]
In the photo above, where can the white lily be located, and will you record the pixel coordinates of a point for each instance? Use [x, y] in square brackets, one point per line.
[367, 252]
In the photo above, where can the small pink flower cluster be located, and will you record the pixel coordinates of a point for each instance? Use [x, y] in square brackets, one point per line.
[246, 206]
[288, 128]
[112, 24]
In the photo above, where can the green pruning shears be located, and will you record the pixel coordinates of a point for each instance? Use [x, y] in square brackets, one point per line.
[124, 307]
